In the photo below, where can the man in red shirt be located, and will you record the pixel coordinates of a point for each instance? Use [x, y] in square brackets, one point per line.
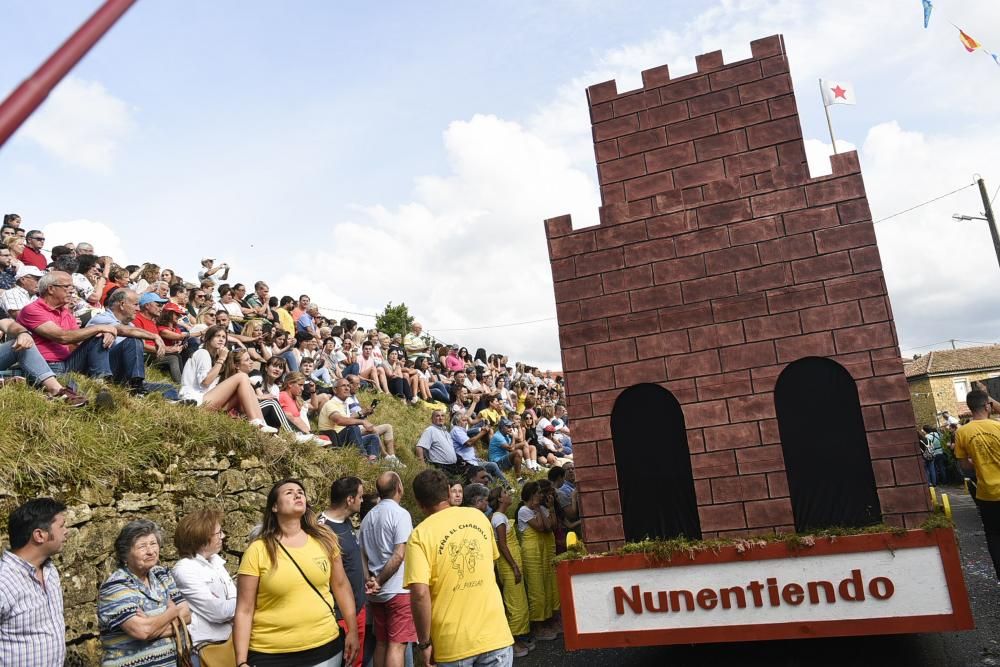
[150, 306]
[58, 336]
[32, 254]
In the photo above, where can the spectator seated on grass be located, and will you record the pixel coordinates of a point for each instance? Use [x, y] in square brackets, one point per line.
[336, 423]
[383, 431]
[126, 356]
[25, 290]
[201, 381]
[64, 345]
[19, 348]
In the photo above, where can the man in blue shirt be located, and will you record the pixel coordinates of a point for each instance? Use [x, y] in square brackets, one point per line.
[502, 451]
[465, 446]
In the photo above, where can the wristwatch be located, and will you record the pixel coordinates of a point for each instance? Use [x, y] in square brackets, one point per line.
[423, 646]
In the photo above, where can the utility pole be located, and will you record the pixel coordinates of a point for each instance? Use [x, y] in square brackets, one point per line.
[990, 220]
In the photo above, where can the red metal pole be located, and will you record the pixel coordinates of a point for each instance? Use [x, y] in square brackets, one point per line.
[32, 92]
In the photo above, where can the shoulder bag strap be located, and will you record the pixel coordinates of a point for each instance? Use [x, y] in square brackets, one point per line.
[316, 590]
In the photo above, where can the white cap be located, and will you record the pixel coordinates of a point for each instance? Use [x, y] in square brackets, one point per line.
[28, 270]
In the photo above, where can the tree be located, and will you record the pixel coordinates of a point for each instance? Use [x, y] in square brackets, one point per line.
[394, 319]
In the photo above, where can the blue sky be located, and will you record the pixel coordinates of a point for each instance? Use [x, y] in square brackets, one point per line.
[409, 151]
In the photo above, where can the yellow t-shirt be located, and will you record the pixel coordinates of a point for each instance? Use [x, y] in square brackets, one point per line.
[285, 321]
[289, 615]
[979, 440]
[491, 416]
[324, 421]
[452, 551]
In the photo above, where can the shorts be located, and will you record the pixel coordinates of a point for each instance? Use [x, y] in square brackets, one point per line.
[393, 620]
[505, 462]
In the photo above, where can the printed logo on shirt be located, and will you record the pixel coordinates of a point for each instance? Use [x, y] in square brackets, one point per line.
[322, 563]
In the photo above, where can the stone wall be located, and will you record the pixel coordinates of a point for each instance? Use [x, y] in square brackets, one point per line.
[236, 485]
[717, 262]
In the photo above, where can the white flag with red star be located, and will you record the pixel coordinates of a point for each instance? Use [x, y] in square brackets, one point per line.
[837, 92]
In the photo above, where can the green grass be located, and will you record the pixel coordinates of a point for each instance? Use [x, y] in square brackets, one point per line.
[662, 551]
[47, 448]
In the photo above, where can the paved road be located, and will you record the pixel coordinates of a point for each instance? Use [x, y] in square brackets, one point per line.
[977, 647]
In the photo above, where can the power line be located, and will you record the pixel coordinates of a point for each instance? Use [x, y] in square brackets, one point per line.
[929, 201]
[495, 326]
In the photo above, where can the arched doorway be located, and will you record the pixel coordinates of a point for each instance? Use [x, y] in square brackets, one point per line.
[825, 445]
[654, 465]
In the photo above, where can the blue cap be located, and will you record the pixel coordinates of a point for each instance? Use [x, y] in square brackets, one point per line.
[151, 297]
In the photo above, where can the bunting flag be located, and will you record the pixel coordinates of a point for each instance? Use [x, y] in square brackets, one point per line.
[996, 58]
[969, 43]
[928, 6]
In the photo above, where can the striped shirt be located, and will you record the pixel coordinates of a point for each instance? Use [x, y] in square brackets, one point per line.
[122, 597]
[32, 629]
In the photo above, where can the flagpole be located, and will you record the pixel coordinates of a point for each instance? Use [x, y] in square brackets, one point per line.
[826, 109]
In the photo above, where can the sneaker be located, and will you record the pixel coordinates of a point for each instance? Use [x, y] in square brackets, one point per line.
[71, 398]
[394, 461]
[263, 427]
[545, 635]
[184, 401]
[520, 650]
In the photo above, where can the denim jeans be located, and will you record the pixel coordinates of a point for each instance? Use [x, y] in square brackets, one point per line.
[502, 657]
[293, 363]
[369, 444]
[31, 361]
[126, 360]
[439, 392]
[89, 358]
[351, 369]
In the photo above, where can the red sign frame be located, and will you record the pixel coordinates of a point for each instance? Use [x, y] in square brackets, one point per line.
[943, 539]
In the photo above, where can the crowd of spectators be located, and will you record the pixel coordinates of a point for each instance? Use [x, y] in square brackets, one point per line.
[277, 362]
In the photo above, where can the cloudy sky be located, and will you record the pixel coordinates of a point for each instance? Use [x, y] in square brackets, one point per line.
[410, 151]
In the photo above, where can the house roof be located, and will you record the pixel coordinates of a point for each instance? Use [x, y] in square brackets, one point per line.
[945, 362]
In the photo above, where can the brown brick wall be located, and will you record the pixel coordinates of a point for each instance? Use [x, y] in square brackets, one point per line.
[716, 263]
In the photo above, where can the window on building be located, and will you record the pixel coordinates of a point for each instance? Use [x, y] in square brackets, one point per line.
[961, 389]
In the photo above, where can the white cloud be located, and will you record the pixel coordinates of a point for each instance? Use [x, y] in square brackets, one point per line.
[81, 124]
[468, 251]
[101, 236]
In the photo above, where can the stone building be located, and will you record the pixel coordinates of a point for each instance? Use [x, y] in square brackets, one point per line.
[939, 380]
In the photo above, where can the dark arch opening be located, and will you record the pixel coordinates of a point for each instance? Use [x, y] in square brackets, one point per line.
[823, 439]
[654, 465]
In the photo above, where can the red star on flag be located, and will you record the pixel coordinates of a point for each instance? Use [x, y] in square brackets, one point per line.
[837, 92]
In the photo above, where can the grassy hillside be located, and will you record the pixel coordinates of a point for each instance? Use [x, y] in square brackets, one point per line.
[49, 449]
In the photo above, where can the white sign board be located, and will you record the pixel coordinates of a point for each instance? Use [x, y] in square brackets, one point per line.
[836, 587]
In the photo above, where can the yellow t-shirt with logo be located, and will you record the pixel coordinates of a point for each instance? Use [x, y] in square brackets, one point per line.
[452, 551]
[289, 615]
[979, 440]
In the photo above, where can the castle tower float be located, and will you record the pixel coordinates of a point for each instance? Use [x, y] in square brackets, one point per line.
[731, 362]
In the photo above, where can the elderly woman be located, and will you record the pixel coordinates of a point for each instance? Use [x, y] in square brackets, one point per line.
[138, 604]
[284, 607]
[201, 575]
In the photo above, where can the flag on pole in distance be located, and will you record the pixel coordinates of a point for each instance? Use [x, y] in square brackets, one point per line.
[969, 43]
[837, 92]
[928, 6]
